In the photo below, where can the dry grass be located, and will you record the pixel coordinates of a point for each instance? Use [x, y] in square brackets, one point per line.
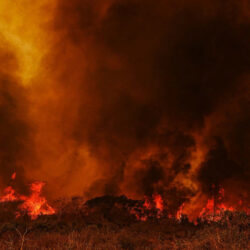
[109, 229]
[230, 233]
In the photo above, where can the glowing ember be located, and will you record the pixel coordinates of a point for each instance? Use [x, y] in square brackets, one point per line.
[13, 176]
[147, 204]
[34, 204]
[180, 212]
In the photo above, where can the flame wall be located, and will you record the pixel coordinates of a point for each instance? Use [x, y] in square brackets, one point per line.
[126, 97]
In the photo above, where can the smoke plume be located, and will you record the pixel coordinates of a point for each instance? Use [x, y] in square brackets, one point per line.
[136, 97]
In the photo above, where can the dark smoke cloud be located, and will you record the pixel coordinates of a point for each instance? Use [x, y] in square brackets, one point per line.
[14, 129]
[149, 73]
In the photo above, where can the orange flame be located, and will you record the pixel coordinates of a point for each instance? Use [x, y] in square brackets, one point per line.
[13, 176]
[179, 213]
[34, 204]
[158, 202]
[9, 195]
[212, 211]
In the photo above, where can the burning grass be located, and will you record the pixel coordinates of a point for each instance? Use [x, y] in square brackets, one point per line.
[110, 222]
[100, 224]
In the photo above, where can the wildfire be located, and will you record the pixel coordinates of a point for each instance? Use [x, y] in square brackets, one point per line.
[152, 207]
[98, 114]
[179, 213]
[213, 210]
[158, 202]
[9, 195]
[215, 207]
[13, 176]
[34, 204]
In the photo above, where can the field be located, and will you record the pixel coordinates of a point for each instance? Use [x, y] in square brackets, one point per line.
[98, 225]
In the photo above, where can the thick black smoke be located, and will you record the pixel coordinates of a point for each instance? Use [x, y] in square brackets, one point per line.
[155, 70]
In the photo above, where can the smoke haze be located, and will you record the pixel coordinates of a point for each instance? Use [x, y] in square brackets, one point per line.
[131, 97]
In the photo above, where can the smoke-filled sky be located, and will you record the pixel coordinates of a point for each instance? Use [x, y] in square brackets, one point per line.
[126, 97]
